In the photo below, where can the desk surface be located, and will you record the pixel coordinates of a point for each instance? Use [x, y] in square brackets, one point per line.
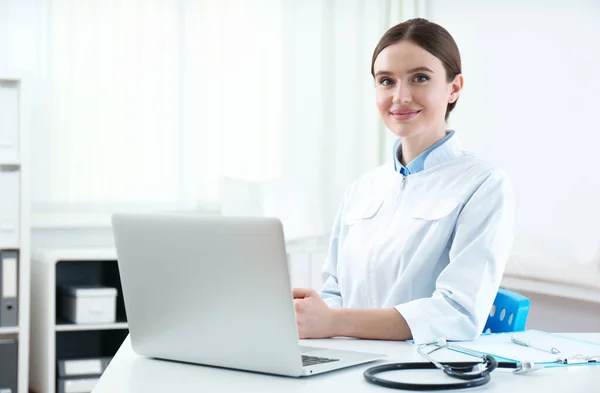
[130, 373]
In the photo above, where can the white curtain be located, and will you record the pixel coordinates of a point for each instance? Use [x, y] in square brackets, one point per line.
[113, 100]
[232, 90]
[148, 103]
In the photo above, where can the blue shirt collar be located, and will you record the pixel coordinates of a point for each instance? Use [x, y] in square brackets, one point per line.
[444, 149]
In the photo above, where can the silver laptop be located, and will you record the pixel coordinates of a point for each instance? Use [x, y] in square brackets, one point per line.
[215, 291]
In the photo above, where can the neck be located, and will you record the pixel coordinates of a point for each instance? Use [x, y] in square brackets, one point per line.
[413, 146]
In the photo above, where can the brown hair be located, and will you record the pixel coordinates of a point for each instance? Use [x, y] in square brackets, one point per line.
[429, 36]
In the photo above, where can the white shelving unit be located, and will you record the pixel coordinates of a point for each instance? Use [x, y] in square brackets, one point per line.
[50, 329]
[54, 339]
[15, 234]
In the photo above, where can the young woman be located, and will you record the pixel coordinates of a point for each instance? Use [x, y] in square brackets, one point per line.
[419, 246]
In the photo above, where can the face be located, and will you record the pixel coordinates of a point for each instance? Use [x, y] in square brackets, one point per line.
[412, 90]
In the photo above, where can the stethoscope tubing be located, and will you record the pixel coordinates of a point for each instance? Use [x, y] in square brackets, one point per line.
[472, 381]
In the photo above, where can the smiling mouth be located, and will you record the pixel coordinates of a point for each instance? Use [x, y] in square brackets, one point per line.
[404, 115]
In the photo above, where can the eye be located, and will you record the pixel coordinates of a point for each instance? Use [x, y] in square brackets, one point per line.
[420, 78]
[385, 81]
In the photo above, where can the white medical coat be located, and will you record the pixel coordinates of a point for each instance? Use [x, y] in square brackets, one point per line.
[433, 244]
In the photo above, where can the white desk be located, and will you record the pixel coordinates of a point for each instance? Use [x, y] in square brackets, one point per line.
[130, 373]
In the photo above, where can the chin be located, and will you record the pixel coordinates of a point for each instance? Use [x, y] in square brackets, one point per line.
[405, 131]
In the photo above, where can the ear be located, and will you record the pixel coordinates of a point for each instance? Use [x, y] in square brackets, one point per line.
[456, 87]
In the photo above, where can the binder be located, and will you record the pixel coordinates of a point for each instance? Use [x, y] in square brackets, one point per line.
[9, 260]
[69, 368]
[8, 365]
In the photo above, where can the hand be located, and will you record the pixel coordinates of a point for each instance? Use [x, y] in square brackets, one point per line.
[314, 318]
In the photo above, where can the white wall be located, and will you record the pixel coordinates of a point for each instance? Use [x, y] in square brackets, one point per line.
[530, 104]
[558, 314]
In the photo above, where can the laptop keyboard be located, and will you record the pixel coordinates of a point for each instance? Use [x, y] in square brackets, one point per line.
[312, 360]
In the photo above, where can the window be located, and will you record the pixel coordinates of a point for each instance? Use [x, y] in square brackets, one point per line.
[146, 104]
[149, 103]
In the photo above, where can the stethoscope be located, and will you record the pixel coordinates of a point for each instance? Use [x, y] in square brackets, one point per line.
[471, 374]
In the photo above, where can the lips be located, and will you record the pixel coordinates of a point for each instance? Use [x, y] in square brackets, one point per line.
[404, 114]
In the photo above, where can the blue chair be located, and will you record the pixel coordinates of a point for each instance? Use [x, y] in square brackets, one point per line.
[508, 314]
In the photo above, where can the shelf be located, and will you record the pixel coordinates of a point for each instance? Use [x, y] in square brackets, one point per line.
[15, 156]
[9, 330]
[56, 256]
[57, 337]
[72, 327]
[86, 344]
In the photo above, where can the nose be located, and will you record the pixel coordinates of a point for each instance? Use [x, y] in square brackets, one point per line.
[402, 94]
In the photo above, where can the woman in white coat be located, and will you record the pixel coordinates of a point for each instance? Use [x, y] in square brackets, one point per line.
[419, 245]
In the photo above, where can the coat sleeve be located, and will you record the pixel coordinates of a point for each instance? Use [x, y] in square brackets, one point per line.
[465, 290]
[330, 290]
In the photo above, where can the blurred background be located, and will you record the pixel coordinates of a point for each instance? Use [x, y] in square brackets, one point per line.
[266, 107]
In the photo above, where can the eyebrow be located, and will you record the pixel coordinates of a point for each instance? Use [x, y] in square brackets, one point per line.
[417, 69]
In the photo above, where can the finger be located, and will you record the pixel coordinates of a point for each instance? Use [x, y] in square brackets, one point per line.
[305, 292]
[300, 293]
[298, 305]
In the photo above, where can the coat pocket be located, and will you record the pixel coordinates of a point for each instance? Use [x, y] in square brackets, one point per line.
[362, 212]
[432, 211]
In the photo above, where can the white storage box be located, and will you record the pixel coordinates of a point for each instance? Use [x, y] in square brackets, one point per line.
[86, 304]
